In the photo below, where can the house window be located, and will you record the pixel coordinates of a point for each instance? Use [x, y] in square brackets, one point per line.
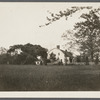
[58, 53]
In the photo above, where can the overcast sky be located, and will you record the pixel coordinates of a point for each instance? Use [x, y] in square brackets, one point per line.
[19, 23]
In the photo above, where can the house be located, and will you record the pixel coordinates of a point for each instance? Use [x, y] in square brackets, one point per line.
[16, 51]
[39, 60]
[62, 56]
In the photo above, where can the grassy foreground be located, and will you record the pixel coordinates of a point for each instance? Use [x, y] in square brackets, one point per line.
[49, 78]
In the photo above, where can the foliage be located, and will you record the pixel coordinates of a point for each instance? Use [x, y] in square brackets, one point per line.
[71, 44]
[3, 58]
[28, 54]
[87, 60]
[3, 50]
[68, 54]
[88, 33]
[78, 58]
[52, 57]
[97, 60]
[70, 39]
[66, 13]
[88, 37]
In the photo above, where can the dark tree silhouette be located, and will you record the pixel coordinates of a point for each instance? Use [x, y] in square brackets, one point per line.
[28, 55]
[88, 33]
[87, 60]
[97, 60]
[52, 57]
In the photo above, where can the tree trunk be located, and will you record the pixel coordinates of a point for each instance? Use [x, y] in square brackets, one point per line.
[92, 56]
[87, 60]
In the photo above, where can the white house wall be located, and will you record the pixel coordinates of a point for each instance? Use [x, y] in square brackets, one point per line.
[59, 54]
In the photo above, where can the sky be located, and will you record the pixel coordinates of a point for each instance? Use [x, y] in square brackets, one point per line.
[19, 23]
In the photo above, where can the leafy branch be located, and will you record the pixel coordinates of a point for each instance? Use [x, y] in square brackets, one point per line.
[68, 12]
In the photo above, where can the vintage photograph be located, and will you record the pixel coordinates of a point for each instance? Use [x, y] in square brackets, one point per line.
[49, 46]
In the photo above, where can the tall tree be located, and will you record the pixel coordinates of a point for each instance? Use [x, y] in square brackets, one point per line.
[88, 33]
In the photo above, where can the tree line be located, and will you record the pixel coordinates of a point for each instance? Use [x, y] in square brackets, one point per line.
[28, 54]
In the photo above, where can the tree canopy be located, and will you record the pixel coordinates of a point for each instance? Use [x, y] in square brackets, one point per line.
[27, 56]
[88, 33]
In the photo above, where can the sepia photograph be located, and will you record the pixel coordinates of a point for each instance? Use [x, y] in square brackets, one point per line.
[49, 46]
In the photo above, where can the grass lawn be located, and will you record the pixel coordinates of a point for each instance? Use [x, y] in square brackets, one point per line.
[49, 78]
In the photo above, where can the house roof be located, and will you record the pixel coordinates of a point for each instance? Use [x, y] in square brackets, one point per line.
[67, 54]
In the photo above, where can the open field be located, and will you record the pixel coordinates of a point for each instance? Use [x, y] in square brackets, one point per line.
[49, 78]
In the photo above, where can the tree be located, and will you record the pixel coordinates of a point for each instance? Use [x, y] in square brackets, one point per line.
[71, 45]
[28, 55]
[68, 13]
[78, 58]
[52, 57]
[70, 39]
[87, 60]
[88, 33]
[97, 60]
[3, 59]
[70, 42]
[3, 50]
